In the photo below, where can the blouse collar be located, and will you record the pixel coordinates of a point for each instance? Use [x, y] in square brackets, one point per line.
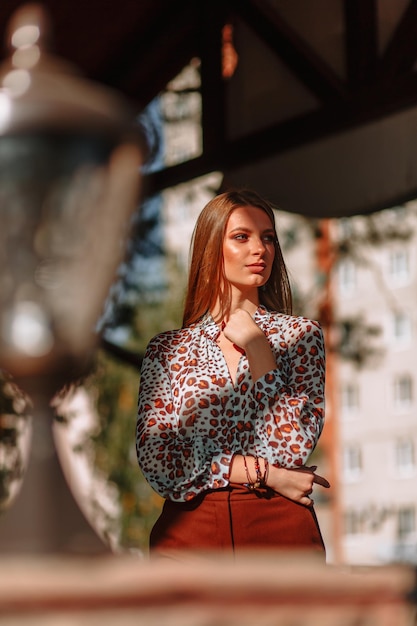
[212, 330]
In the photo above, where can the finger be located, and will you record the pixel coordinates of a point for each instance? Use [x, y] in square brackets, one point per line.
[306, 501]
[320, 480]
[302, 470]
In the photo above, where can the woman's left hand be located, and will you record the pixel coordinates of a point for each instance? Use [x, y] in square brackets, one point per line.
[296, 483]
[241, 328]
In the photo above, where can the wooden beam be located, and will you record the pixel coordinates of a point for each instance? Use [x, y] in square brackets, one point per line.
[121, 354]
[401, 52]
[299, 57]
[361, 42]
[291, 134]
[211, 22]
[144, 63]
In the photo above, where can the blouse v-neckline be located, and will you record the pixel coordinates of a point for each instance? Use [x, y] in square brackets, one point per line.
[213, 331]
[233, 373]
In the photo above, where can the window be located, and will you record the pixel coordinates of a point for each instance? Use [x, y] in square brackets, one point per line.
[404, 455]
[349, 399]
[399, 266]
[347, 276]
[406, 522]
[352, 462]
[401, 327]
[403, 391]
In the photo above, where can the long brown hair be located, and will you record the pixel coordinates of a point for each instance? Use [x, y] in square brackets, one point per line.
[206, 274]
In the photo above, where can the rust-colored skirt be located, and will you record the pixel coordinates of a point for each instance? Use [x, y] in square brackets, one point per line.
[234, 519]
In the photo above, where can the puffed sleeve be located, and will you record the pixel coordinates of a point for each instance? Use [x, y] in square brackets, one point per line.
[177, 466]
[289, 400]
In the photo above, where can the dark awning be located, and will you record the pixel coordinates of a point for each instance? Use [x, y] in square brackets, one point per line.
[320, 114]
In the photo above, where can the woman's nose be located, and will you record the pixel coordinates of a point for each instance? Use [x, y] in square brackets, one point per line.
[258, 245]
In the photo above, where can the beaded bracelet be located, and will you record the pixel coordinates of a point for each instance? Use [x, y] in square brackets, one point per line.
[260, 479]
[266, 474]
[250, 484]
[258, 471]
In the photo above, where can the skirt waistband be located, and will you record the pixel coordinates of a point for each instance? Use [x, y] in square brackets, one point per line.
[233, 491]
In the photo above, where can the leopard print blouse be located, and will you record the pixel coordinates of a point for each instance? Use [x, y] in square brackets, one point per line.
[192, 419]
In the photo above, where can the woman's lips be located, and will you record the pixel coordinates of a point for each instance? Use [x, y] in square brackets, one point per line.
[257, 267]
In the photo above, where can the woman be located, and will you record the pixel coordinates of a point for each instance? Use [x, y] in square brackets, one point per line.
[232, 404]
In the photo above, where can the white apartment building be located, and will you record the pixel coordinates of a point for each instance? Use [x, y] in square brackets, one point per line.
[377, 403]
[372, 343]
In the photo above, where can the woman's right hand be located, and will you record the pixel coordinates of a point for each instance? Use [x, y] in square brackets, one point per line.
[296, 484]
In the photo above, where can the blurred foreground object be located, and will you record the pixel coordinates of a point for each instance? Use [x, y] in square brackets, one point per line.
[68, 181]
[281, 590]
[69, 173]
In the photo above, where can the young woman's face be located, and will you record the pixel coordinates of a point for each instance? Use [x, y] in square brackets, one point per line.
[248, 248]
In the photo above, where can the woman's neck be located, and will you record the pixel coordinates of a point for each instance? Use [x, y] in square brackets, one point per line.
[249, 304]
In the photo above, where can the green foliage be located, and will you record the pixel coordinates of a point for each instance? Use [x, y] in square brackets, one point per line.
[115, 387]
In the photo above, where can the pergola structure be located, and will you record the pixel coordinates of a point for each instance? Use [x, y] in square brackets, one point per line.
[319, 114]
